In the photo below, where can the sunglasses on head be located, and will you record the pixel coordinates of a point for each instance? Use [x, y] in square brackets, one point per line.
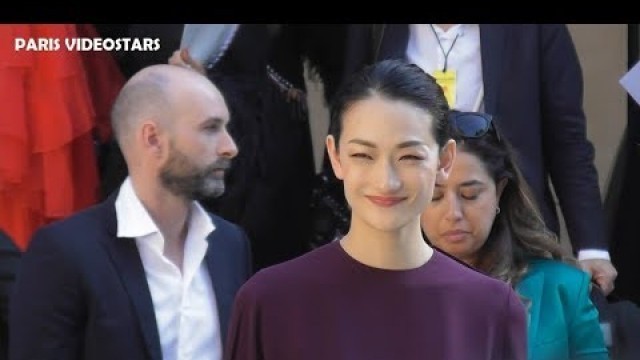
[470, 124]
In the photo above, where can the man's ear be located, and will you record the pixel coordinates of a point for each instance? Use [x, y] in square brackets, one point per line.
[151, 138]
[445, 161]
[334, 156]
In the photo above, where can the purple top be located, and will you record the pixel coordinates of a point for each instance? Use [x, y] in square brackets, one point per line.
[325, 305]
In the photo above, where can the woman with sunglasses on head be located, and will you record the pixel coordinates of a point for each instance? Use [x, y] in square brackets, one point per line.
[484, 215]
[381, 292]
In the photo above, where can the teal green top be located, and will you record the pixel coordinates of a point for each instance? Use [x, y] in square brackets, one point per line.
[563, 322]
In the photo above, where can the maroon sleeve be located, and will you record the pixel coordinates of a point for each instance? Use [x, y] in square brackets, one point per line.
[514, 329]
[243, 339]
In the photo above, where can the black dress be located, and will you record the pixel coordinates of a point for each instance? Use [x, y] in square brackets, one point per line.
[269, 184]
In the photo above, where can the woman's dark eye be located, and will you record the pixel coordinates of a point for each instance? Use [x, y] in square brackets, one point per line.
[412, 157]
[470, 196]
[361, 156]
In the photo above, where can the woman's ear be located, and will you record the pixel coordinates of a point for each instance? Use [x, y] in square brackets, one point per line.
[445, 161]
[334, 156]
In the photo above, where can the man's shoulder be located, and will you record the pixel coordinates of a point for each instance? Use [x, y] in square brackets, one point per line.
[226, 229]
[71, 243]
[223, 223]
[90, 219]
[228, 236]
[80, 228]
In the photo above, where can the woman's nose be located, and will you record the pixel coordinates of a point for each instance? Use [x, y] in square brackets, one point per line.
[454, 210]
[388, 178]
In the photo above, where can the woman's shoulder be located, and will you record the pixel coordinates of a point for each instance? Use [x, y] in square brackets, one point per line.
[555, 266]
[293, 274]
[454, 273]
[556, 273]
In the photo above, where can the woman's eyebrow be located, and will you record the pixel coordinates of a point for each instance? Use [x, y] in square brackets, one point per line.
[470, 183]
[362, 142]
[402, 145]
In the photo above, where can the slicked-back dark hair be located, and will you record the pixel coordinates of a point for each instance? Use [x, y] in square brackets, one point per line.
[394, 80]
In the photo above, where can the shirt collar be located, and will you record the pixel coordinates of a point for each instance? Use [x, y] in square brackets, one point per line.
[452, 32]
[201, 224]
[134, 220]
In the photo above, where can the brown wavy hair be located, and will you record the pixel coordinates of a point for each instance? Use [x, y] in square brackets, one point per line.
[518, 233]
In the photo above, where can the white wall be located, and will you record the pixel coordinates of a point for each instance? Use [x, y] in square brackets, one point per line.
[602, 49]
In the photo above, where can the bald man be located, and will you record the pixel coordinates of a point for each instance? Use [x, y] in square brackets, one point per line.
[147, 274]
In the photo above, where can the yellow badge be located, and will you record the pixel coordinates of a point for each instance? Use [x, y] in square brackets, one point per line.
[447, 81]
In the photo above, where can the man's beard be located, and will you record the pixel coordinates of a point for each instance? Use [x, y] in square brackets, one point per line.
[183, 178]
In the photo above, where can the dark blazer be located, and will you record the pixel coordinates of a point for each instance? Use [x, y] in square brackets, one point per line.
[81, 292]
[9, 262]
[533, 85]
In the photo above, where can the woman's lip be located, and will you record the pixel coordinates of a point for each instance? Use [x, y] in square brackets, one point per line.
[386, 201]
[455, 235]
[454, 232]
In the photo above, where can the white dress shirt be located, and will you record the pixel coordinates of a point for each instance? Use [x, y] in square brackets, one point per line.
[184, 301]
[466, 58]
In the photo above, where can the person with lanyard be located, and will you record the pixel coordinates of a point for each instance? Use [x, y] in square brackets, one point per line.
[528, 77]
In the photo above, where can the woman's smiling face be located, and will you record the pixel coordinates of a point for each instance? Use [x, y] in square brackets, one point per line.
[388, 159]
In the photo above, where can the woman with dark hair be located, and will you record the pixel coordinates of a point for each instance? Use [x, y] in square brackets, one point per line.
[484, 215]
[380, 292]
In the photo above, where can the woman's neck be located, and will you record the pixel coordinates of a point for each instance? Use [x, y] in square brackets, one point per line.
[394, 250]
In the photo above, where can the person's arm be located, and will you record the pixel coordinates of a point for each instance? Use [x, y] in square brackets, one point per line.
[570, 154]
[47, 310]
[600, 268]
[586, 340]
[182, 58]
[514, 322]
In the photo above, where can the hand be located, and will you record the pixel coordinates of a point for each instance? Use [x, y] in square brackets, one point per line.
[294, 94]
[602, 272]
[182, 58]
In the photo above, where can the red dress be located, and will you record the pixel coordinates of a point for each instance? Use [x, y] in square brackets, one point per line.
[52, 104]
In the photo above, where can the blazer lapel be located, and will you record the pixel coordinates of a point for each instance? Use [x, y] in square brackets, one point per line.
[492, 45]
[531, 287]
[218, 265]
[125, 257]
